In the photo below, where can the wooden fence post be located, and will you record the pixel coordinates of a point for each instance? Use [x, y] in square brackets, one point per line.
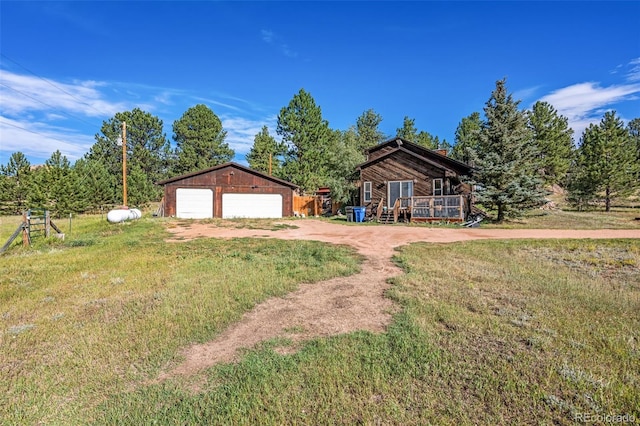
[25, 229]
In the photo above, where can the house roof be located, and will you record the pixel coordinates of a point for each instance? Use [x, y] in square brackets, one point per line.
[429, 156]
[225, 165]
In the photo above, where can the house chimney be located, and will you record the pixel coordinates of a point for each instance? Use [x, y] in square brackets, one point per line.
[442, 152]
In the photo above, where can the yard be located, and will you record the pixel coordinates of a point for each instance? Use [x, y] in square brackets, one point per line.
[146, 323]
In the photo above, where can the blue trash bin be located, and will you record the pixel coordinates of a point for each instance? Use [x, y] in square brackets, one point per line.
[359, 212]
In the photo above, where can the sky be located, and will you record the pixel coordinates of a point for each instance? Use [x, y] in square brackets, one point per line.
[66, 67]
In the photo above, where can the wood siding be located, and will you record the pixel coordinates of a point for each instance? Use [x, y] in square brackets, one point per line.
[225, 180]
[399, 167]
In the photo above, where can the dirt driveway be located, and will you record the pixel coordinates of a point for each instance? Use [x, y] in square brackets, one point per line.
[339, 305]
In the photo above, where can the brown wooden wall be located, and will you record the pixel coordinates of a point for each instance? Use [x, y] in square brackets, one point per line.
[379, 152]
[228, 180]
[398, 167]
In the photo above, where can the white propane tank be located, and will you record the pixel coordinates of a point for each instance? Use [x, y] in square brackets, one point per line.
[120, 215]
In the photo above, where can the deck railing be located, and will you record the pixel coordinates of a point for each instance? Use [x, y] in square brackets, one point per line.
[437, 207]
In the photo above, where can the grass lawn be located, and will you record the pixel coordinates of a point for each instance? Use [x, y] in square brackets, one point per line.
[493, 332]
[618, 218]
[98, 314]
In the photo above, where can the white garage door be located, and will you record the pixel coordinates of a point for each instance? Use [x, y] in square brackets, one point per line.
[251, 205]
[194, 203]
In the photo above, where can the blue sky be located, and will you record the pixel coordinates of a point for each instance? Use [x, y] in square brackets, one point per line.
[65, 67]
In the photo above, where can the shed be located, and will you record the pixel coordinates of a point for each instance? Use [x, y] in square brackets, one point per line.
[227, 191]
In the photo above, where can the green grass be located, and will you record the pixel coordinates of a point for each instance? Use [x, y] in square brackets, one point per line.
[493, 333]
[572, 219]
[103, 311]
[490, 332]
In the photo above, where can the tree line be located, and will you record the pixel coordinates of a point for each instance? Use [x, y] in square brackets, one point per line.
[516, 154]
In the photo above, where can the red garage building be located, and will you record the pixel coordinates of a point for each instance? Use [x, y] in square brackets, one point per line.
[227, 191]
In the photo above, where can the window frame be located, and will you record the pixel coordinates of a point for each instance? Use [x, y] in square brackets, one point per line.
[441, 189]
[366, 191]
[401, 195]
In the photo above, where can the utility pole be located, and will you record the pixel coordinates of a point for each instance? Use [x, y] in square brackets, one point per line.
[124, 164]
[270, 155]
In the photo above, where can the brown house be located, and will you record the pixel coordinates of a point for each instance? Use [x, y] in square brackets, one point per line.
[227, 191]
[402, 180]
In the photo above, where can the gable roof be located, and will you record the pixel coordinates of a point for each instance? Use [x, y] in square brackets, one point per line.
[429, 156]
[225, 165]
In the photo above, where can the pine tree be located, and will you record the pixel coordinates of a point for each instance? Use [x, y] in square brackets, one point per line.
[634, 131]
[147, 148]
[99, 186]
[367, 132]
[17, 179]
[554, 140]
[506, 158]
[409, 132]
[266, 154]
[467, 137]
[343, 157]
[200, 141]
[607, 164]
[308, 140]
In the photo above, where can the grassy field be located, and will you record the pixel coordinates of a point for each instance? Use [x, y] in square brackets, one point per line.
[494, 332]
[103, 311]
[618, 218]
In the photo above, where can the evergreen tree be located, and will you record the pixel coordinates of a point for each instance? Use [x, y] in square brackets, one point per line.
[467, 138]
[17, 175]
[634, 131]
[59, 186]
[140, 189]
[98, 184]
[266, 153]
[408, 131]
[506, 158]
[367, 130]
[200, 141]
[147, 148]
[554, 140]
[308, 140]
[343, 158]
[607, 164]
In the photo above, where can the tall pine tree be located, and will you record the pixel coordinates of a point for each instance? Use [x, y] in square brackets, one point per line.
[147, 149]
[367, 130]
[266, 154]
[554, 140]
[200, 141]
[467, 137]
[308, 140]
[606, 165]
[506, 158]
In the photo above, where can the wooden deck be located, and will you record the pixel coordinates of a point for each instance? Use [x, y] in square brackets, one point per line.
[450, 208]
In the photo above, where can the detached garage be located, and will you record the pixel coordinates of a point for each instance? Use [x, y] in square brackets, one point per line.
[227, 191]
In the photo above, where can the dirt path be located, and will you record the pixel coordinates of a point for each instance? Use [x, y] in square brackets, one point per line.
[339, 305]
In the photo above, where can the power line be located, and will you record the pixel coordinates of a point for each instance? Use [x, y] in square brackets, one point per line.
[46, 104]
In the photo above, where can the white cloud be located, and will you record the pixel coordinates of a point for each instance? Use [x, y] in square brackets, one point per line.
[241, 132]
[35, 139]
[585, 103]
[38, 116]
[22, 93]
[634, 72]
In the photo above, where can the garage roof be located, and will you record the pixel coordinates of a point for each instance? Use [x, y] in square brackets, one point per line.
[225, 165]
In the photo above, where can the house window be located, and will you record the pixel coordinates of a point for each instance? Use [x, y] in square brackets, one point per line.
[366, 196]
[399, 189]
[437, 187]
